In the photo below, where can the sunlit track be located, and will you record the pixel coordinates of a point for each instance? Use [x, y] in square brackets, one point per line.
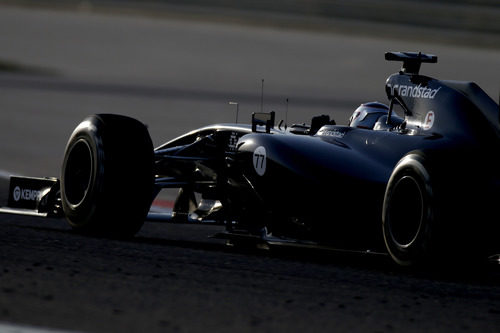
[41, 83]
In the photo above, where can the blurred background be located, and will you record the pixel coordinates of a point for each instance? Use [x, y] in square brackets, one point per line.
[175, 65]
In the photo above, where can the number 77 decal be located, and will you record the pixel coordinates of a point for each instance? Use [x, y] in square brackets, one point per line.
[259, 160]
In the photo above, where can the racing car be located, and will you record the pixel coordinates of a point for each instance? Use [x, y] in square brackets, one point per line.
[416, 178]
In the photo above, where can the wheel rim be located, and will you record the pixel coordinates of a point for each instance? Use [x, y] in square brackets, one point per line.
[78, 172]
[406, 212]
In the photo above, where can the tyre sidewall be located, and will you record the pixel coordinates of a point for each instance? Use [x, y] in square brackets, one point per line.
[421, 248]
[81, 215]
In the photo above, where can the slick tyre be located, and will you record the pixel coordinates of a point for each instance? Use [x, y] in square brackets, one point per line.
[107, 176]
[409, 213]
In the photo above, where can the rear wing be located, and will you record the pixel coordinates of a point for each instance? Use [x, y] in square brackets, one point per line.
[34, 196]
[411, 60]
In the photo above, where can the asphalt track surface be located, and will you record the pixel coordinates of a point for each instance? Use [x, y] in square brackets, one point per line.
[175, 76]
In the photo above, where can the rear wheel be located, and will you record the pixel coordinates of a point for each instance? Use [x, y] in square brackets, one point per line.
[409, 213]
[107, 176]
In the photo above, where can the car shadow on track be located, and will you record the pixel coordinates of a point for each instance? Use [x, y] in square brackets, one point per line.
[476, 274]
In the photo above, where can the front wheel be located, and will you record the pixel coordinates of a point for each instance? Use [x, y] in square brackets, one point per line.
[409, 213]
[107, 176]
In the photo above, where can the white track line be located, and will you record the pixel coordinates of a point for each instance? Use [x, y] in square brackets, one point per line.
[6, 174]
[14, 328]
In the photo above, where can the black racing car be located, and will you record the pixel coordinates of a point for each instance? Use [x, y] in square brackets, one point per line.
[418, 178]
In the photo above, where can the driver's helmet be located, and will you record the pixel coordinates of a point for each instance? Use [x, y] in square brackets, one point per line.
[367, 114]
